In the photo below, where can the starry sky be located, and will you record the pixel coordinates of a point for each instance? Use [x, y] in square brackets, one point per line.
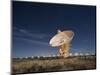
[34, 24]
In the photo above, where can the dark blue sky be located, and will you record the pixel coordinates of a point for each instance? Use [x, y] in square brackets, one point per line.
[34, 24]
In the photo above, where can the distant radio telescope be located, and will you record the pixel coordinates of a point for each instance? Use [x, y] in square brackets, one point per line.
[63, 41]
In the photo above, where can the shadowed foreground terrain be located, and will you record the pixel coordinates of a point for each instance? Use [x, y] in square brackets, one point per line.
[50, 64]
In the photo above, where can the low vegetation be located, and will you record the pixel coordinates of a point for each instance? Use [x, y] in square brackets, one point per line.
[50, 64]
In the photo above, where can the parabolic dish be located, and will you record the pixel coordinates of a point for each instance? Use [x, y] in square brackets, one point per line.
[61, 38]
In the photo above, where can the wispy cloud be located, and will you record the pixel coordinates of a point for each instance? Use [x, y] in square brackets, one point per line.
[25, 35]
[34, 41]
[37, 42]
[31, 34]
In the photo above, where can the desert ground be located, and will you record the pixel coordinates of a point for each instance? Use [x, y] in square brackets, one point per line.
[52, 64]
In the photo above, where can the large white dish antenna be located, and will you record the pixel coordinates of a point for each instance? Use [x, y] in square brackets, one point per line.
[61, 38]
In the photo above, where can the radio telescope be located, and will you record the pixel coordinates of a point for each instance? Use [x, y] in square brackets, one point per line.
[62, 40]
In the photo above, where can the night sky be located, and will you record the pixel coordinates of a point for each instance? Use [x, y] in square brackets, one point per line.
[34, 24]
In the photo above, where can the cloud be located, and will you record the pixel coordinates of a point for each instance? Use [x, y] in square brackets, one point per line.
[30, 37]
[23, 32]
[37, 42]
